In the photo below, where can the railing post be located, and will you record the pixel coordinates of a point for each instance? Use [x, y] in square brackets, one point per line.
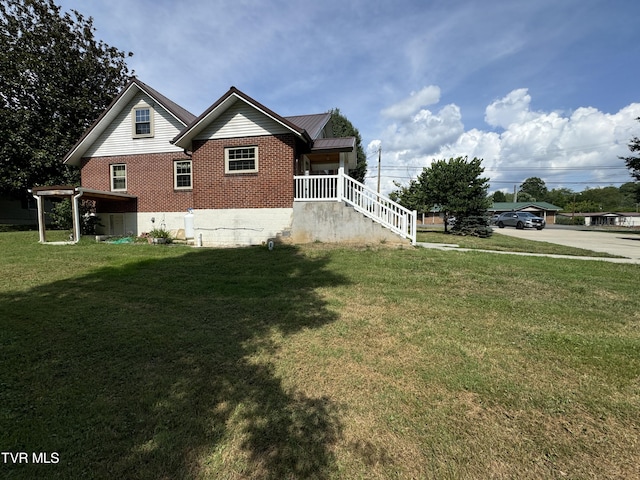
[341, 182]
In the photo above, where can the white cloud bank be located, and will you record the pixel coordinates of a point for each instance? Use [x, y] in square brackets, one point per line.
[575, 150]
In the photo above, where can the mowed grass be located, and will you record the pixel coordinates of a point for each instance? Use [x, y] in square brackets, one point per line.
[166, 362]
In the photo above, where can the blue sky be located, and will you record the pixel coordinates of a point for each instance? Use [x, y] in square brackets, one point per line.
[545, 88]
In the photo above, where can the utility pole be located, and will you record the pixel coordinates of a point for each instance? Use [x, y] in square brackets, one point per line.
[379, 158]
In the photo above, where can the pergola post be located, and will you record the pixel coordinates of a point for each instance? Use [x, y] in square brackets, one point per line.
[76, 216]
[41, 219]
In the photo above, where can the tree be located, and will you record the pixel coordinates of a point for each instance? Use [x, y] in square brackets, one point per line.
[560, 196]
[536, 188]
[411, 197]
[633, 162]
[342, 127]
[499, 196]
[56, 80]
[455, 185]
[630, 193]
[602, 198]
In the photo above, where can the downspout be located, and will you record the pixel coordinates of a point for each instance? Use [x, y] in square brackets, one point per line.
[76, 216]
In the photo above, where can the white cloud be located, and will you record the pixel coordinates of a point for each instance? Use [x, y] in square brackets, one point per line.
[426, 131]
[514, 108]
[407, 107]
[576, 150]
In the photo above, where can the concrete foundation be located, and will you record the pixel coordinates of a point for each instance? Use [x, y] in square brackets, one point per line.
[334, 222]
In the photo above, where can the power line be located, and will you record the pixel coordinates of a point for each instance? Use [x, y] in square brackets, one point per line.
[514, 169]
[513, 182]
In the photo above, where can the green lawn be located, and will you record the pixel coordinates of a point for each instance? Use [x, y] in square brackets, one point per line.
[168, 362]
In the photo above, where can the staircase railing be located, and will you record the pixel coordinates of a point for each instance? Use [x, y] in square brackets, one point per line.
[363, 199]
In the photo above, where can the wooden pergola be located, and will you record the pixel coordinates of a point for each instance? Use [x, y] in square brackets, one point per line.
[74, 194]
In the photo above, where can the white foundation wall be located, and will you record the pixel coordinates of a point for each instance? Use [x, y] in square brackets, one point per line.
[216, 228]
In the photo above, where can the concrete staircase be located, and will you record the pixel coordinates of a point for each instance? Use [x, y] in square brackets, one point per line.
[337, 222]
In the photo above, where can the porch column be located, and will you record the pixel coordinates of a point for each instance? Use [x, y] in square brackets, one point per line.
[340, 191]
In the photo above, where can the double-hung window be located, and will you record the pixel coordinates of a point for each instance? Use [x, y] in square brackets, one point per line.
[118, 177]
[142, 120]
[182, 176]
[240, 159]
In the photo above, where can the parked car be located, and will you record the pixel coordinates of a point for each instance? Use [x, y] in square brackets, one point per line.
[520, 220]
[494, 219]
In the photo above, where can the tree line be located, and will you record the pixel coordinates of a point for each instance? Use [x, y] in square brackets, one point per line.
[610, 199]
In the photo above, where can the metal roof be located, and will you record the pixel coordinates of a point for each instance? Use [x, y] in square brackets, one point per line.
[313, 124]
[340, 144]
[515, 206]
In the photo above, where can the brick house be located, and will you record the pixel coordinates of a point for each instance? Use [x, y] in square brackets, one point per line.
[238, 174]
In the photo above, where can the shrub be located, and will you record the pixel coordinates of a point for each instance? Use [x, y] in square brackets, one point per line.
[475, 225]
[562, 220]
[160, 233]
[62, 216]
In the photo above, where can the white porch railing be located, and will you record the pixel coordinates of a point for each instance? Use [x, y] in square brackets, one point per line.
[342, 188]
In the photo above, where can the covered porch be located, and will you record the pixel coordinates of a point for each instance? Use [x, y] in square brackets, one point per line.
[75, 194]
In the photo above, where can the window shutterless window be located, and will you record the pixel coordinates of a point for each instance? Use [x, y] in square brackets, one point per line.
[241, 159]
[142, 120]
[118, 177]
[182, 174]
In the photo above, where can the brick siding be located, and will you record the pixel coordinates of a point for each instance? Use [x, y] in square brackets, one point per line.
[149, 177]
[270, 187]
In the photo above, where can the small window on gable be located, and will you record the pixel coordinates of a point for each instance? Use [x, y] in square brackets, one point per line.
[118, 177]
[182, 174]
[241, 159]
[142, 121]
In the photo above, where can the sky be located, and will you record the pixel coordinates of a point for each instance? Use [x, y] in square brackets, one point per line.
[544, 88]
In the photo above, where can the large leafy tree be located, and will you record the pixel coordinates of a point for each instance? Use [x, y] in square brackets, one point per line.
[560, 196]
[499, 196]
[56, 80]
[535, 188]
[342, 127]
[411, 196]
[633, 161]
[457, 188]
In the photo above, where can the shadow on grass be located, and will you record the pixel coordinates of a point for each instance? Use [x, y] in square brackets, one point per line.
[164, 369]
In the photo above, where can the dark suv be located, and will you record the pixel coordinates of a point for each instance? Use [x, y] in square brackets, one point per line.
[520, 220]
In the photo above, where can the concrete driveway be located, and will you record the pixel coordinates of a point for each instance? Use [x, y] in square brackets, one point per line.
[613, 243]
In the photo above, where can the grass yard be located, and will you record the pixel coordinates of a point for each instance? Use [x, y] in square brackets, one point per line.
[168, 362]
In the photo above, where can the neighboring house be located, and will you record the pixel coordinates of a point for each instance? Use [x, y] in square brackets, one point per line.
[19, 212]
[245, 174]
[541, 209]
[617, 219]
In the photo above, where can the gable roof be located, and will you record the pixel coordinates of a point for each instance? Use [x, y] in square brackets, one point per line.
[126, 94]
[313, 124]
[233, 95]
[516, 206]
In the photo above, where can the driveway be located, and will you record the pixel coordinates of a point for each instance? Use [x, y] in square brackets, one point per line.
[621, 244]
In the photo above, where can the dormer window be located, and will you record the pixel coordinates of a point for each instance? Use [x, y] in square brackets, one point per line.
[142, 121]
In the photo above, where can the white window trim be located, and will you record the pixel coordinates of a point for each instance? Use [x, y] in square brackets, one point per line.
[133, 122]
[175, 174]
[112, 177]
[226, 160]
